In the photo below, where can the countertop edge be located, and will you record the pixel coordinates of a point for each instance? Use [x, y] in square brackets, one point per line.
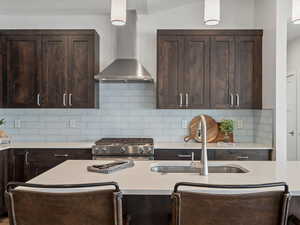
[158, 145]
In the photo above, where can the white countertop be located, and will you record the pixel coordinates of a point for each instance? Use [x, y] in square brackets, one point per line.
[86, 145]
[140, 180]
[50, 145]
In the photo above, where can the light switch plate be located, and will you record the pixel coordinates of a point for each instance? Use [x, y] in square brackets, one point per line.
[17, 124]
[184, 124]
[72, 123]
[240, 124]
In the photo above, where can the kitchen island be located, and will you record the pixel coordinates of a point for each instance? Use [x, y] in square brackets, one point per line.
[140, 180]
[147, 194]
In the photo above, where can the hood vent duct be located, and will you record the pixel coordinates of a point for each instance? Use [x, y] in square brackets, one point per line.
[126, 67]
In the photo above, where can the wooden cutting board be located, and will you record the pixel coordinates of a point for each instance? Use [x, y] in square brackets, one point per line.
[212, 129]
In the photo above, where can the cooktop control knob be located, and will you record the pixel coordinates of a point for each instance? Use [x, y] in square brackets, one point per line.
[123, 150]
[141, 150]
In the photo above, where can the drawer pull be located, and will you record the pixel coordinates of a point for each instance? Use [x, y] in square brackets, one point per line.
[26, 158]
[64, 155]
[242, 157]
[184, 156]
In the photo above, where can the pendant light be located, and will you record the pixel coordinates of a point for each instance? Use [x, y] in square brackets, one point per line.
[212, 12]
[296, 12]
[118, 12]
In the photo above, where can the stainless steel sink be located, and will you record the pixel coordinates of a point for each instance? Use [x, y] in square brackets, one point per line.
[189, 169]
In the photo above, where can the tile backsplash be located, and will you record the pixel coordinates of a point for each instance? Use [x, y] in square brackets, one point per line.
[126, 110]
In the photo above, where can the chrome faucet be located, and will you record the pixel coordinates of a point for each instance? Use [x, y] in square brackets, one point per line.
[204, 163]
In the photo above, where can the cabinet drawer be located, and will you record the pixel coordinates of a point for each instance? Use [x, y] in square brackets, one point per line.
[57, 155]
[250, 155]
[179, 154]
[162, 154]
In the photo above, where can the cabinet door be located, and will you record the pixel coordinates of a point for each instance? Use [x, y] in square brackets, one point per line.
[170, 72]
[1, 78]
[2, 53]
[19, 165]
[248, 76]
[81, 83]
[222, 72]
[2, 182]
[23, 71]
[196, 72]
[55, 66]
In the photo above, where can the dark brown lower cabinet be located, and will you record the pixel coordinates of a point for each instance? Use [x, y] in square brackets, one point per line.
[147, 209]
[221, 155]
[295, 211]
[38, 161]
[4, 178]
[21, 165]
[155, 209]
[2, 182]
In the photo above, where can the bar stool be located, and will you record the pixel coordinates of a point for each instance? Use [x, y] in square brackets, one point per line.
[255, 208]
[78, 204]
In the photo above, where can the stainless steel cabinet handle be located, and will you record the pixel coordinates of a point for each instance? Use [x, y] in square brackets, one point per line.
[70, 99]
[231, 100]
[187, 99]
[26, 158]
[38, 99]
[64, 155]
[292, 133]
[64, 99]
[184, 156]
[242, 157]
[237, 100]
[181, 100]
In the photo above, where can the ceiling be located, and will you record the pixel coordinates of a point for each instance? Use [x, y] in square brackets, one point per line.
[83, 6]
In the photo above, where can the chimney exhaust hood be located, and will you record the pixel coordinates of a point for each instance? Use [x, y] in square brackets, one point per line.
[126, 67]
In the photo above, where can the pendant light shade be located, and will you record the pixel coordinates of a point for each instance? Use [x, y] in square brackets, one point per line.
[118, 12]
[212, 12]
[296, 12]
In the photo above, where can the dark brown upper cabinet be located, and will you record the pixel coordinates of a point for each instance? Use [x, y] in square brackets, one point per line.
[183, 72]
[23, 71]
[222, 72]
[170, 69]
[50, 68]
[209, 69]
[81, 66]
[196, 72]
[248, 73]
[55, 70]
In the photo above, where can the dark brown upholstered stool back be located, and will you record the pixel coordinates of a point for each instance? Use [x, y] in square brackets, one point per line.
[84, 207]
[261, 208]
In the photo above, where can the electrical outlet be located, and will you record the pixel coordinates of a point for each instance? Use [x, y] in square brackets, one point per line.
[240, 124]
[17, 124]
[184, 124]
[72, 123]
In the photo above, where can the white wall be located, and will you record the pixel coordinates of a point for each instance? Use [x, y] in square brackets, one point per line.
[99, 22]
[236, 14]
[266, 21]
[272, 16]
[282, 10]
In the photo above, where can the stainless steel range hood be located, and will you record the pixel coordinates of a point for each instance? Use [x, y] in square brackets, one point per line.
[126, 67]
